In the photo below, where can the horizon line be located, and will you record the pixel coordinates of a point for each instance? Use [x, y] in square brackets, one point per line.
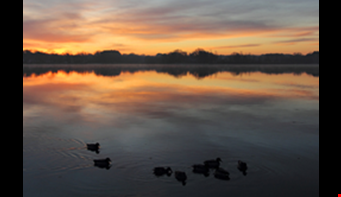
[176, 50]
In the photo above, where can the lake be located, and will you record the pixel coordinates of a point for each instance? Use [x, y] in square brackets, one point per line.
[145, 116]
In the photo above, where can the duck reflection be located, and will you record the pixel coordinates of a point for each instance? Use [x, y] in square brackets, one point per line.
[160, 171]
[93, 147]
[214, 163]
[201, 169]
[181, 177]
[242, 167]
[103, 163]
[222, 174]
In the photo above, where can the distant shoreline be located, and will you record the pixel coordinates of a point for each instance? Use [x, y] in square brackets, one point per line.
[177, 57]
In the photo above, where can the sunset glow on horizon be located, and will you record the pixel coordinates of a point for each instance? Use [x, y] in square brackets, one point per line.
[151, 27]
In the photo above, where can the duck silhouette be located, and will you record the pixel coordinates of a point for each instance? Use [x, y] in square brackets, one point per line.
[220, 173]
[93, 147]
[160, 171]
[242, 167]
[103, 163]
[214, 163]
[181, 176]
[201, 169]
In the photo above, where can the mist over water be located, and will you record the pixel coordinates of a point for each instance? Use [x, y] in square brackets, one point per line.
[147, 116]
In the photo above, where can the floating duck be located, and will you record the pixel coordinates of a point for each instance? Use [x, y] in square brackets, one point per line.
[102, 163]
[201, 169]
[242, 167]
[93, 147]
[181, 176]
[213, 163]
[220, 173]
[159, 171]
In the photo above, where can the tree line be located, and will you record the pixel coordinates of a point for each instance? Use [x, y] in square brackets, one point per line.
[199, 56]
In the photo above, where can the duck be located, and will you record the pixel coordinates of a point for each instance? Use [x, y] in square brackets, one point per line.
[181, 176]
[201, 169]
[159, 171]
[102, 163]
[242, 166]
[93, 147]
[214, 163]
[221, 173]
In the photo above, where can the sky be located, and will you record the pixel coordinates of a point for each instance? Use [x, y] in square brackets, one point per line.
[148, 27]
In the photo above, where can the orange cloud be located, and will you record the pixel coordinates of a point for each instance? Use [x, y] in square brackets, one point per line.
[236, 46]
[99, 25]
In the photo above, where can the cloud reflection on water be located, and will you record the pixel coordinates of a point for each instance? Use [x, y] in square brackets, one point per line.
[155, 95]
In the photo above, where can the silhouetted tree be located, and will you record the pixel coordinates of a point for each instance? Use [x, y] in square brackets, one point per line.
[202, 56]
[176, 56]
[107, 57]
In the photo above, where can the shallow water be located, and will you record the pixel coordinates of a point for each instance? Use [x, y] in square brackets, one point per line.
[145, 116]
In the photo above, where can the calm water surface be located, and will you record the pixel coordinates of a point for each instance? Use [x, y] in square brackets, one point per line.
[175, 117]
